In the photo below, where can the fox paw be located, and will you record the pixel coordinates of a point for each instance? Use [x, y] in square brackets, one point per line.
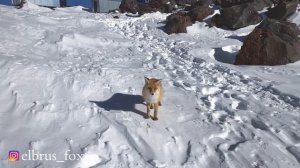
[147, 116]
[155, 118]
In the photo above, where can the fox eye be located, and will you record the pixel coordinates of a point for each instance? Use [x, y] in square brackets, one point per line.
[149, 88]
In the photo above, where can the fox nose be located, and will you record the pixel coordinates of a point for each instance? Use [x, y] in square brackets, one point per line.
[152, 93]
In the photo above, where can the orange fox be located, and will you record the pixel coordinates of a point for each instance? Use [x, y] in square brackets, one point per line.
[152, 94]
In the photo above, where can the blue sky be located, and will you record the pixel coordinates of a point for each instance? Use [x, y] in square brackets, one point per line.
[85, 3]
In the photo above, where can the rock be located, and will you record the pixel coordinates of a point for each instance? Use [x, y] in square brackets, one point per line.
[236, 17]
[164, 6]
[185, 2]
[132, 6]
[231, 3]
[199, 13]
[198, 4]
[19, 3]
[145, 8]
[217, 2]
[202, 3]
[261, 4]
[177, 23]
[129, 6]
[273, 42]
[283, 9]
[256, 4]
[275, 1]
[287, 31]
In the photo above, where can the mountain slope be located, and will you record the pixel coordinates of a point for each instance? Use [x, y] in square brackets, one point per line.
[70, 82]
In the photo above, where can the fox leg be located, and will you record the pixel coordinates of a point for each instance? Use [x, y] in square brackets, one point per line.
[155, 111]
[151, 106]
[148, 111]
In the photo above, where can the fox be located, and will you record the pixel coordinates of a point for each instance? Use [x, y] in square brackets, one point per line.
[152, 94]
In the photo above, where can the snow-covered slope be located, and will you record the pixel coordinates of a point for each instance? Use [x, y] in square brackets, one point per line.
[70, 83]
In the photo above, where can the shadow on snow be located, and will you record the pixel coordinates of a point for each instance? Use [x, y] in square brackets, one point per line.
[122, 102]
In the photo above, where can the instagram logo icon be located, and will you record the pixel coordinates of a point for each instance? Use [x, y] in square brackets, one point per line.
[13, 155]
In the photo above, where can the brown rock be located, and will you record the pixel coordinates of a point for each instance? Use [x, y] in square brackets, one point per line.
[230, 3]
[236, 17]
[256, 4]
[203, 3]
[177, 23]
[164, 6]
[284, 9]
[185, 2]
[199, 13]
[271, 43]
[129, 6]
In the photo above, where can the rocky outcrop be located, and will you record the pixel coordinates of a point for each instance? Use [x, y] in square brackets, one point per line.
[256, 4]
[203, 3]
[283, 9]
[177, 23]
[130, 6]
[273, 42]
[163, 6]
[217, 2]
[236, 17]
[185, 2]
[261, 4]
[133, 6]
[230, 3]
[200, 12]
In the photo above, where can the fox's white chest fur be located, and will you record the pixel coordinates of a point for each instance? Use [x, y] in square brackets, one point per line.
[149, 98]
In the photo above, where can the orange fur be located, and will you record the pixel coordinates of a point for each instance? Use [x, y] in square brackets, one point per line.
[152, 94]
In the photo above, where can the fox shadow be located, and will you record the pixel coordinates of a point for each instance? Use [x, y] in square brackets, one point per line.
[122, 102]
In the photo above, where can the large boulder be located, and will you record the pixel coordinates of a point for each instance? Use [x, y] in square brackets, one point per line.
[217, 2]
[133, 6]
[200, 12]
[185, 2]
[164, 6]
[198, 4]
[283, 9]
[261, 4]
[230, 3]
[177, 23]
[145, 8]
[130, 6]
[203, 3]
[236, 17]
[256, 4]
[273, 42]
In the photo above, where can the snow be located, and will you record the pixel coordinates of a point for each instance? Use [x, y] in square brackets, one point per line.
[71, 82]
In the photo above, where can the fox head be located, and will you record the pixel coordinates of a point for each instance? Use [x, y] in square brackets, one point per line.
[153, 85]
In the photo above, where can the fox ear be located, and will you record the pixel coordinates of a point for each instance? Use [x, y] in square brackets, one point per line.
[146, 79]
[158, 81]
